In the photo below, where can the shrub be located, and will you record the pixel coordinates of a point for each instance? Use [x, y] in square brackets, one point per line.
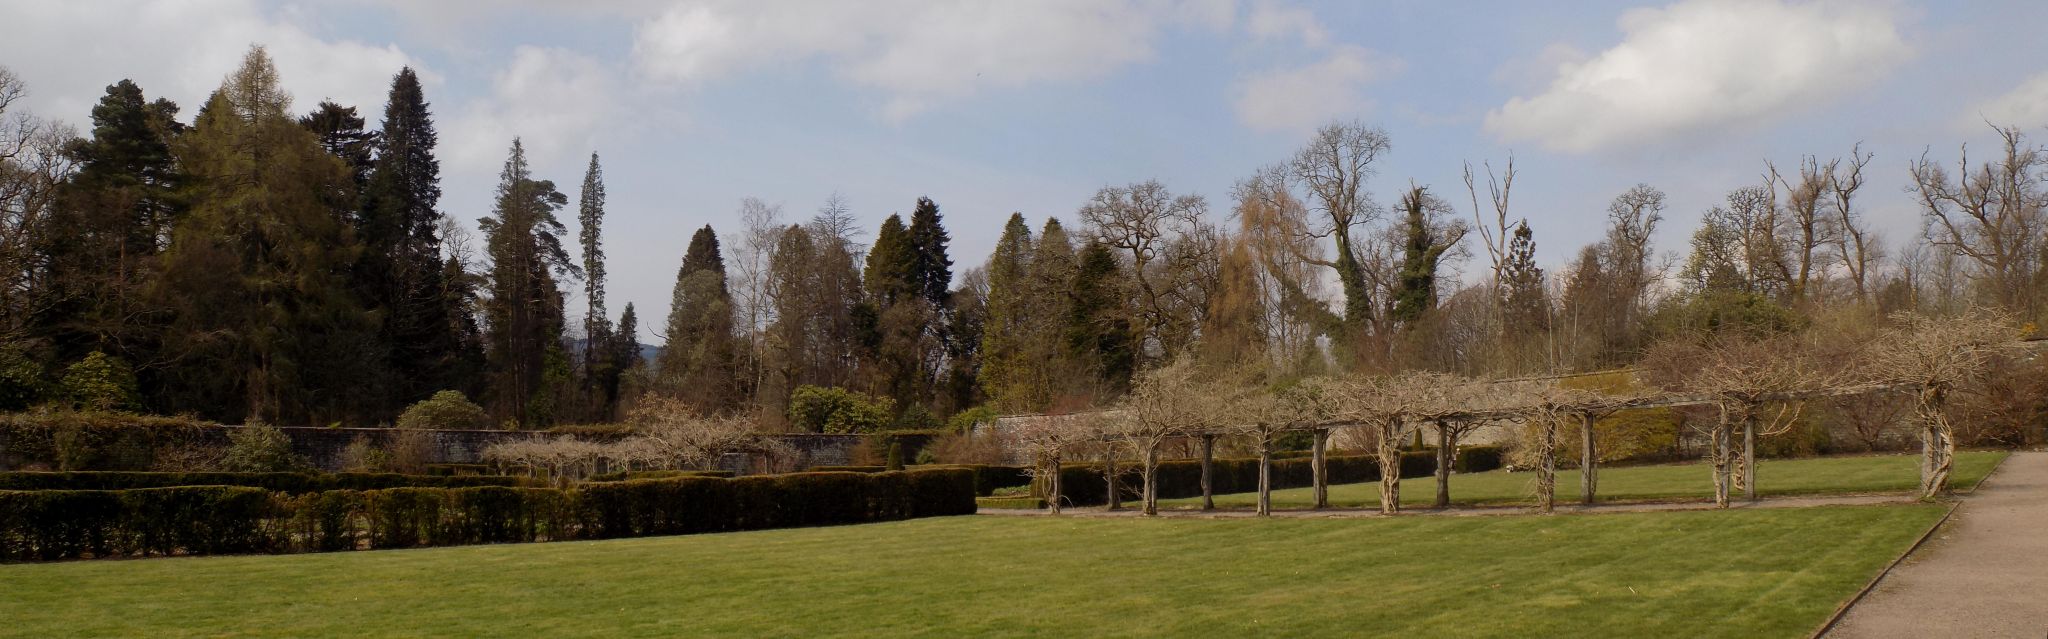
[447, 409]
[659, 474]
[965, 421]
[361, 457]
[67, 524]
[990, 478]
[260, 448]
[820, 409]
[21, 379]
[290, 483]
[100, 439]
[101, 382]
[1084, 485]
[862, 468]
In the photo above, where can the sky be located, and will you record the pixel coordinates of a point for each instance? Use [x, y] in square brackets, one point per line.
[1031, 106]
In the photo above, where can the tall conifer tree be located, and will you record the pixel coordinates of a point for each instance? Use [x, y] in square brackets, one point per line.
[524, 311]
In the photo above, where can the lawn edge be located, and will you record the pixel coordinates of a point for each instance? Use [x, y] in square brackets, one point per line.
[1843, 609]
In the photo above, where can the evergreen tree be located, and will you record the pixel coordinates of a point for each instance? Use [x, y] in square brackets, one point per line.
[1050, 370]
[892, 264]
[1526, 307]
[1098, 328]
[598, 372]
[428, 303]
[931, 271]
[113, 217]
[1004, 336]
[341, 132]
[253, 270]
[698, 362]
[524, 311]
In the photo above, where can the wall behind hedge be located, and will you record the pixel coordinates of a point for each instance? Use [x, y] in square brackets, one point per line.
[190, 520]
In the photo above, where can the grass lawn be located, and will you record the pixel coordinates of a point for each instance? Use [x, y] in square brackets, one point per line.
[1816, 476]
[1746, 573]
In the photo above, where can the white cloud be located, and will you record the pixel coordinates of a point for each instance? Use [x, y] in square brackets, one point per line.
[1300, 98]
[915, 52]
[1268, 20]
[554, 100]
[2025, 106]
[1703, 65]
[69, 52]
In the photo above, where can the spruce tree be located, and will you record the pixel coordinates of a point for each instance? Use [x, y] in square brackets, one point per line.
[931, 270]
[429, 322]
[341, 132]
[1098, 327]
[1525, 305]
[892, 264]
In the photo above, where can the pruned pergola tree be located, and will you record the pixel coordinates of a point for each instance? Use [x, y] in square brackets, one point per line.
[1932, 357]
[1048, 440]
[1166, 402]
[1760, 385]
[1261, 415]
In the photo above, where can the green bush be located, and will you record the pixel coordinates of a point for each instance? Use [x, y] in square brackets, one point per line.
[68, 524]
[101, 382]
[658, 474]
[59, 524]
[260, 448]
[21, 379]
[846, 469]
[990, 478]
[447, 410]
[99, 440]
[821, 409]
[289, 483]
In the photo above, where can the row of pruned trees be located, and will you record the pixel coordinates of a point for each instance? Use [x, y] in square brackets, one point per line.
[1758, 384]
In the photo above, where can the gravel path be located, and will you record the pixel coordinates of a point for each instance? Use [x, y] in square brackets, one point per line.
[1984, 574]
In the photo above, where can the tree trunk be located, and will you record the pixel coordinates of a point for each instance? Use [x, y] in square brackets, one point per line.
[1444, 444]
[1546, 469]
[1052, 487]
[1589, 461]
[1749, 456]
[1390, 468]
[1115, 499]
[1208, 484]
[1319, 464]
[1152, 479]
[1266, 476]
[1720, 455]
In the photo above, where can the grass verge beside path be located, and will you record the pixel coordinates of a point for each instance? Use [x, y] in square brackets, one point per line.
[1815, 476]
[1745, 573]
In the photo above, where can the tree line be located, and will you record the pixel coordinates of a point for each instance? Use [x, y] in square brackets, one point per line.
[255, 264]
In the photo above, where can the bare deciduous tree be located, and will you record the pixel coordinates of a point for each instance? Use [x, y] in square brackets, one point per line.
[1048, 439]
[1993, 214]
[1172, 249]
[1932, 356]
[1165, 402]
[1334, 167]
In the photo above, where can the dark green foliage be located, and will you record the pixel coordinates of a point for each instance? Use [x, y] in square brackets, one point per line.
[524, 240]
[819, 409]
[289, 483]
[659, 474]
[101, 382]
[1525, 307]
[427, 303]
[988, 478]
[21, 380]
[1098, 330]
[892, 264]
[1423, 247]
[1715, 311]
[445, 410]
[698, 363]
[61, 524]
[931, 270]
[846, 469]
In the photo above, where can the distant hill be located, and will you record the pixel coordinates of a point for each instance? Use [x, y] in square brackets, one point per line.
[647, 351]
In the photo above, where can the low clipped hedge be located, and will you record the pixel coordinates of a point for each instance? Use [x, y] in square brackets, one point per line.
[988, 477]
[1084, 485]
[659, 474]
[191, 520]
[846, 469]
[293, 483]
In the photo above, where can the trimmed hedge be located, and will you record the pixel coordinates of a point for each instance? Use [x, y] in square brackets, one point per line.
[846, 469]
[63, 524]
[293, 483]
[1083, 484]
[658, 474]
[988, 478]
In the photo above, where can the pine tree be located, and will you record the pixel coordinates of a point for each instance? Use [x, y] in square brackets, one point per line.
[112, 218]
[524, 311]
[341, 132]
[598, 372]
[699, 361]
[253, 270]
[1526, 307]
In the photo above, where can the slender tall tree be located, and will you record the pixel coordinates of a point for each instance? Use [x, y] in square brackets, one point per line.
[1003, 337]
[699, 361]
[524, 312]
[428, 299]
[598, 372]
